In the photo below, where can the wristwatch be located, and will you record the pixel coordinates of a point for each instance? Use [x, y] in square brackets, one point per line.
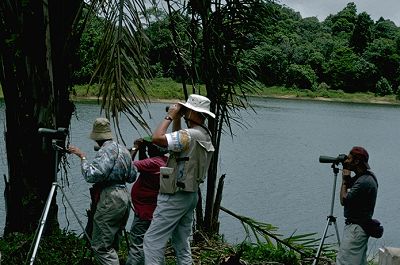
[168, 118]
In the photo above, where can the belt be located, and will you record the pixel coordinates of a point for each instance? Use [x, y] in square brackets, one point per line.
[106, 184]
[116, 185]
[350, 222]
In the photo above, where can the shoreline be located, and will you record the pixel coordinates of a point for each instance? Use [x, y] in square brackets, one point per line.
[339, 100]
[375, 101]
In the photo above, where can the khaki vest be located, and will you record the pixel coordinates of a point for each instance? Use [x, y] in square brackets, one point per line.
[189, 168]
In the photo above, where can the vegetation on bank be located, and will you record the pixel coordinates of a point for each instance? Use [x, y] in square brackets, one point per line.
[262, 244]
[168, 89]
[66, 248]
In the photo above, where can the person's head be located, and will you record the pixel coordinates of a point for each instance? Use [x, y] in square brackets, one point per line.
[101, 131]
[197, 109]
[357, 160]
[153, 150]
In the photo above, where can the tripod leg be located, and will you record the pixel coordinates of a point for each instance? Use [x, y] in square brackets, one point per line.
[337, 232]
[321, 242]
[43, 221]
[331, 218]
[76, 216]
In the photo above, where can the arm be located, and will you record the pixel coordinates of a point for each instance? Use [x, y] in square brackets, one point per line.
[76, 151]
[133, 152]
[346, 178]
[138, 146]
[99, 169]
[174, 117]
[91, 172]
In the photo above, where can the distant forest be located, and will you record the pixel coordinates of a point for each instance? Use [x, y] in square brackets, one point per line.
[347, 51]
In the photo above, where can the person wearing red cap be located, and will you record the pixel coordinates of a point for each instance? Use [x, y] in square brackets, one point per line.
[358, 196]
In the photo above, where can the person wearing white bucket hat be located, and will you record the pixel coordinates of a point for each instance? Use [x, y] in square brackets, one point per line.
[109, 171]
[199, 104]
[191, 151]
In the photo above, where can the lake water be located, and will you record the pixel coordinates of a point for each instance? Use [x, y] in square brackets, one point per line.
[272, 170]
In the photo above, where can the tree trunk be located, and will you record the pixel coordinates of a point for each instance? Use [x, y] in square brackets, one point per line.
[36, 48]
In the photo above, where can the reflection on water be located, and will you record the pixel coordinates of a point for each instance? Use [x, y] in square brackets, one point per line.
[272, 169]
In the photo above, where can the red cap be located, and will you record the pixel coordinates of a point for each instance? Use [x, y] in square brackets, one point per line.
[361, 154]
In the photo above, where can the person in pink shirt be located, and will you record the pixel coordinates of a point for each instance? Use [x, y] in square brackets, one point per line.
[144, 193]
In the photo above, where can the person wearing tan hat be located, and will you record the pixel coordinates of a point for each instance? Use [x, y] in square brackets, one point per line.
[358, 196]
[190, 153]
[109, 171]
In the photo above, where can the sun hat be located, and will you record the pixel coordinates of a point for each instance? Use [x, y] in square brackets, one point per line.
[361, 154]
[101, 130]
[198, 103]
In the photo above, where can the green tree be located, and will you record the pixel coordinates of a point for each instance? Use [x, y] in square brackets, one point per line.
[161, 47]
[383, 87]
[325, 44]
[344, 20]
[383, 53]
[342, 26]
[316, 61]
[86, 57]
[301, 76]
[349, 72]
[269, 62]
[362, 33]
[309, 28]
[385, 29]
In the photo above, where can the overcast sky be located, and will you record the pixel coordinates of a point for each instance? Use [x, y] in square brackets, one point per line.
[389, 9]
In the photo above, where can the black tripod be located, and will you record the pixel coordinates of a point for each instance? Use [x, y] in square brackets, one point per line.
[56, 136]
[330, 218]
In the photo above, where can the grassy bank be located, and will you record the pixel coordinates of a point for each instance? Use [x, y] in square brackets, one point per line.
[327, 95]
[157, 89]
[168, 89]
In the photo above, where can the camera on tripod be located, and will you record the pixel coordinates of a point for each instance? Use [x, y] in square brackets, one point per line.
[331, 219]
[60, 133]
[57, 137]
[334, 160]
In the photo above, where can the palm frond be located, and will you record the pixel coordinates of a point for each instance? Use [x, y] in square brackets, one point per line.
[123, 68]
[303, 244]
